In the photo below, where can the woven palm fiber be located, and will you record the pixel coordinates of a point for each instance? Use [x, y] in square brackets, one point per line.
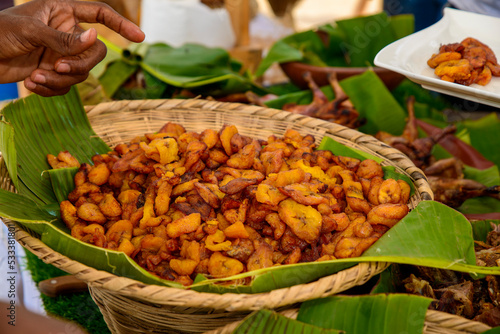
[435, 323]
[129, 306]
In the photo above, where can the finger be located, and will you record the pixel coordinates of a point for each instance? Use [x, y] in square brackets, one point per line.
[98, 12]
[81, 63]
[42, 90]
[63, 43]
[50, 83]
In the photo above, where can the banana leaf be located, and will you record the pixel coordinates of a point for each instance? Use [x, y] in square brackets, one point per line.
[488, 177]
[484, 137]
[375, 103]
[269, 322]
[379, 314]
[495, 330]
[191, 66]
[371, 98]
[428, 104]
[481, 228]
[295, 48]
[7, 146]
[474, 133]
[298, 97]
[351, 42]
[371, 314]
[386, 281]
[116, 75]
[113, 53]
[431, 235]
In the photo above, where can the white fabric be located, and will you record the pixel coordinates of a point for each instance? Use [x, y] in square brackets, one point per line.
[177, 22]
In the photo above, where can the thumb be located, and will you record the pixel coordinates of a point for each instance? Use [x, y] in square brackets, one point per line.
[67, 44]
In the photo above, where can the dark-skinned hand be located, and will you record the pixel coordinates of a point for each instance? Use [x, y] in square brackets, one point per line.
[43, 45]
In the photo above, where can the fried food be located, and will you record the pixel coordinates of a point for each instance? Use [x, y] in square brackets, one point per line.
[63, 160]
[466, 63]
[453, 70]
[220, 203]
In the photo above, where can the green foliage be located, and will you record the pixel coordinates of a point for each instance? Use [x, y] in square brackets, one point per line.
[165, 70]
[373, 314]
[351, 42]
[269, 322]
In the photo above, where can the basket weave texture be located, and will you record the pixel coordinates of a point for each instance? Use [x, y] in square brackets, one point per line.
[129, 306]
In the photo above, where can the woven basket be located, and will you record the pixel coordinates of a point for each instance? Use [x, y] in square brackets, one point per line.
[435, 323]
[129, 306]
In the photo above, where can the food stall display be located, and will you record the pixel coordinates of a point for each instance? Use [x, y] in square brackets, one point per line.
[187, 189]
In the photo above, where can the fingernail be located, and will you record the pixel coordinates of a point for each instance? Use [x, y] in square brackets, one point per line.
[84, 37]
[39, 79]
[63, 68]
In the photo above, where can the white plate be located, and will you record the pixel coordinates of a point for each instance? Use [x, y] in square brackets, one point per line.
[409, 55]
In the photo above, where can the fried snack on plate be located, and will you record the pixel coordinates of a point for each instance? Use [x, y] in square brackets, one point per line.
[220, 203]
[466, 63]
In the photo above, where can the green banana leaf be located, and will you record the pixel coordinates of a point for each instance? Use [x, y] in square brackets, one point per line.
[351, 42]
[62, 180]
[481, 135]
[371, 98]
[7, 146]
[428, 104]
[113, 53]
[116, 75]
[481, 228]
[495, 330]
[371, 314]
[190, 66]
[295, 48]
[377, 314]
[375, 103]
[298, 97]
[488, 177]
[269, 322]
[484, 137]
[387, 282]
[366, 36]
[432, 234]
[20, 208]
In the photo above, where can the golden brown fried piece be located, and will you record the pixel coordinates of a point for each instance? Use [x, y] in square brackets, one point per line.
[63, 160]
[223, 266]
[305, 221]
[262, 257]
[439, 58]
[466, 63]
[454, 70]
[387, 214]
[303, 194]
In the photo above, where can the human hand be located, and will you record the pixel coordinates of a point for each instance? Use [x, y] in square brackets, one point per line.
[43, 45]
